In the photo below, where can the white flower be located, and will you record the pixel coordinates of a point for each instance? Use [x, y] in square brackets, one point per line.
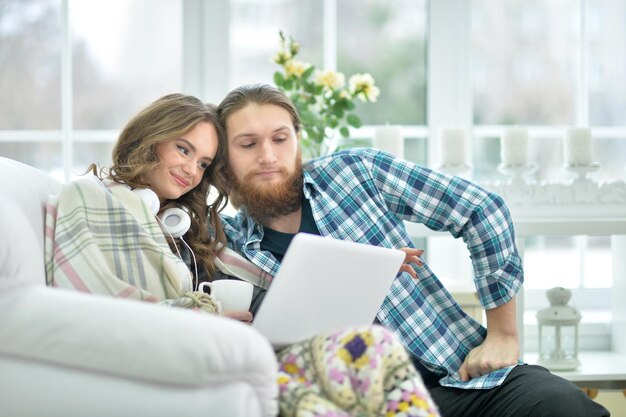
[296, 68]
[330, 79]
[321, 97]
[362, 85]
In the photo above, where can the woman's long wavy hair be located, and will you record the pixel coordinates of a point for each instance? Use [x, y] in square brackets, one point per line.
[134, 155]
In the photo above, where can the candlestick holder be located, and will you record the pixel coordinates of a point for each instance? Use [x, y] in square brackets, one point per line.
[389, 139]
[517, 172]
[582, 171]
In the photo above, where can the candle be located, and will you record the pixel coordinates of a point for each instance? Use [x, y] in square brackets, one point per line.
[577, 146]
[452, 146]
[514, 147]
[389, 139]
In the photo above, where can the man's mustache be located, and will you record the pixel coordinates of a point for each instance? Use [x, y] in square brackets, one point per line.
[252, 174]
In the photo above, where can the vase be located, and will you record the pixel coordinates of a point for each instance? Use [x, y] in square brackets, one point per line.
[330, 143]
[313, 149]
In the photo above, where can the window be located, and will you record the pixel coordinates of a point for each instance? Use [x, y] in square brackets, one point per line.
[254, 28]
[606, 27]
[395, 35]
[549, 65]
[332, 35]
[30, 81]
[30, 74]
[77, 70]
[119, 68]
[95, 63]
[524, 56]
[546, 64]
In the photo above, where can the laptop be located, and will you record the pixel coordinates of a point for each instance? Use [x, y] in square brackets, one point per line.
[324, 285]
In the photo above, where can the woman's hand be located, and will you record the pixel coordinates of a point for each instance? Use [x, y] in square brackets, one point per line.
[244, 316]
[411, 257]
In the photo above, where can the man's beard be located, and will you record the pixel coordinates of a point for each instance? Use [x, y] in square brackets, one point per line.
[269, 201]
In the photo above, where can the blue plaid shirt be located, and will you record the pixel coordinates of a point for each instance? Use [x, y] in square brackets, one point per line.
[364, 195]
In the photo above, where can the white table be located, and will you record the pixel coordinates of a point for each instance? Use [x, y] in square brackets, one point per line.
[599, 370]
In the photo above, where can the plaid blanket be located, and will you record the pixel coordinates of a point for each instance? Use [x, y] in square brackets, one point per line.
[102, 238]
[232, 263]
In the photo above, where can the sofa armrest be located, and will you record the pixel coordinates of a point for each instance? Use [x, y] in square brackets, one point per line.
[133, 339]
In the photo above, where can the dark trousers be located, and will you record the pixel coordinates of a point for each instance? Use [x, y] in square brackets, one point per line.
[528, 391]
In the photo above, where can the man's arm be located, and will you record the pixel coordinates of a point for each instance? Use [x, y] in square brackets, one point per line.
[500, 348]
[484, 222]
[462, 208]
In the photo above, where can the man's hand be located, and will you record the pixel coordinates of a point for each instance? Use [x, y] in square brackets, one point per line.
[499, 349]
[244, 316]
[411, 256]
[496, 352]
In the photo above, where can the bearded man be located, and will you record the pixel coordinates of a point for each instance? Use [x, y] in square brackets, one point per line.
[364, 195]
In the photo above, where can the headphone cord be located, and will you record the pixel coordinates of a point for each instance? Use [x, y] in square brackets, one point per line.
[195, 264]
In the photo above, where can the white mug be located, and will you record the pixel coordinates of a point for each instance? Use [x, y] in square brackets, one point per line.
[233, 294]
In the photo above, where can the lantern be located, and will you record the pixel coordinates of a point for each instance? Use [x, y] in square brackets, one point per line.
[558, 332]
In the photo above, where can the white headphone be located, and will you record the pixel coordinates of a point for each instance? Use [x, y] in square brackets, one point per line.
[174, 221]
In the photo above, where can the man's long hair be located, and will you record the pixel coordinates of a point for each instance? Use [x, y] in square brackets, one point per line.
[262, 205]
[242, 96]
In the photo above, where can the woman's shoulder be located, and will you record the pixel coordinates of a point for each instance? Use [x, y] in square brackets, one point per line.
[90, 188]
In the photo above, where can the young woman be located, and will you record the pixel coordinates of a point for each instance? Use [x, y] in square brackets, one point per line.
[169, 147]
[104, 237]
[109, 227]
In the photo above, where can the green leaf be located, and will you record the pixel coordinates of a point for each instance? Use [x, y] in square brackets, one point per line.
[345, 132]
[306, 74]
[309, 88]
[354, 120]
[339, 105]
[278, 78]
[337, 95]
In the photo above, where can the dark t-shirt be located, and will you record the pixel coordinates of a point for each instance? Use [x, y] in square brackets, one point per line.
[277, 243]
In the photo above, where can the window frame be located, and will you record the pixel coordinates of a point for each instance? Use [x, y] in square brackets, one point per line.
[206, 40]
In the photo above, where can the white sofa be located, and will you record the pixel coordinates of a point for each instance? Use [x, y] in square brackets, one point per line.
[74, 354]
